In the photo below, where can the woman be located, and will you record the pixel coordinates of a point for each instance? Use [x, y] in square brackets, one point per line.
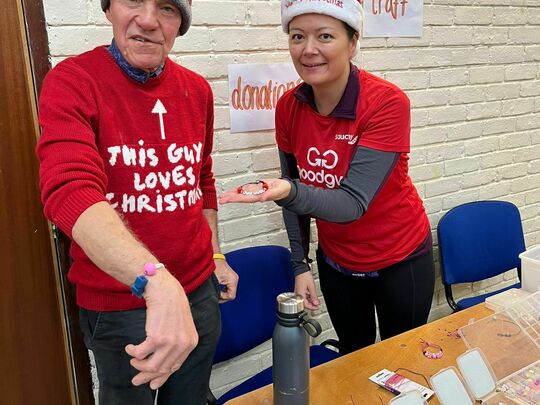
[343, 138]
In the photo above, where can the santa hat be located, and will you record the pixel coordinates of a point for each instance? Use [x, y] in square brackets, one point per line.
[348, 11]
[183, 5]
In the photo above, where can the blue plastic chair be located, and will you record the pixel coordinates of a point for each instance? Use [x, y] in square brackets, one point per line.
[249, 320]
[477, 241]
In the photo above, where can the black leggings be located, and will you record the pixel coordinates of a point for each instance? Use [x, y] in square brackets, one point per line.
[402, 295]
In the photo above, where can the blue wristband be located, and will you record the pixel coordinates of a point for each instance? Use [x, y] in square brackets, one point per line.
[138, 286]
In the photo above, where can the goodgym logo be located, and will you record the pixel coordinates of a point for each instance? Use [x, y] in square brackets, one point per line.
[328, 159]
[322, 165]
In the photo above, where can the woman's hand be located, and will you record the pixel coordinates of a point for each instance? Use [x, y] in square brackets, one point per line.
[277, 190]
[305, 286]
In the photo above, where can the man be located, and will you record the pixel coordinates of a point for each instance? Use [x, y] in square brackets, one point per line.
[126, 173]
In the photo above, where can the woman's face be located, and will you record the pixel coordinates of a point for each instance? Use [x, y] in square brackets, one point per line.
[320, 49]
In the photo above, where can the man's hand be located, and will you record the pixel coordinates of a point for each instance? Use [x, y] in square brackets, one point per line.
[226, 278]
[170, 332]
[305, 286]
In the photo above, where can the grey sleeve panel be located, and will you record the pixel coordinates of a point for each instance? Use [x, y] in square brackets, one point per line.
[298, 232]
[297, 225]
[367, 173]
[288, 165]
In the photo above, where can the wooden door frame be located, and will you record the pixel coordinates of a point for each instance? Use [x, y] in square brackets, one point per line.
[37, 40]
[36, 366]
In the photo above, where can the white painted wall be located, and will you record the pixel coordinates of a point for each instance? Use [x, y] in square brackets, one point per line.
[473, 80]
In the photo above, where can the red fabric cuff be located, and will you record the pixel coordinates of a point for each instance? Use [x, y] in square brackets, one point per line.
[210, 201]
[73, 206]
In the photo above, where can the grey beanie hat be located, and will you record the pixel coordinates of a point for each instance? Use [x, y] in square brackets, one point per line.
[183, 5]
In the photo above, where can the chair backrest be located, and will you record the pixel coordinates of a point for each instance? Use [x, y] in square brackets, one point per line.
[479, 240]
[249, 320]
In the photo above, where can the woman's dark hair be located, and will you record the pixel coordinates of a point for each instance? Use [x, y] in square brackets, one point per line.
[350, 30]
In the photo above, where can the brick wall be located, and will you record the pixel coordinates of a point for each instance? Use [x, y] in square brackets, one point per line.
[474, 84]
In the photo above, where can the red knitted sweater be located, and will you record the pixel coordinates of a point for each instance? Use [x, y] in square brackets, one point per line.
[143, 147]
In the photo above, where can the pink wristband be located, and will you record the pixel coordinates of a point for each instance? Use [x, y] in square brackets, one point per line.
[151, 268]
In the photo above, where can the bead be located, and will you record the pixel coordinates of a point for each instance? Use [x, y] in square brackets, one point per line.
[150, 269]
[263, 187]
[430, 354]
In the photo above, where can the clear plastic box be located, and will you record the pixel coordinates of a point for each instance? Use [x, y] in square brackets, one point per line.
[530, 269]
[450, 387]
[474, 382]
[505, 299]
[510, 343]
[499, 399]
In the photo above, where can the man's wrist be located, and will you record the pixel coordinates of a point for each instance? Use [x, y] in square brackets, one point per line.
[218, 256]
[139, 285]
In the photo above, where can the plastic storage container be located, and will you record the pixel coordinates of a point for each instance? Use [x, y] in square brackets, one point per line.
[475, 381]
[530, 269]
[509, 341]
[450, 388]
[506, 299]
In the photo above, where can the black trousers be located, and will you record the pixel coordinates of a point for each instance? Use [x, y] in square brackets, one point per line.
[402, 296]
[107, 333]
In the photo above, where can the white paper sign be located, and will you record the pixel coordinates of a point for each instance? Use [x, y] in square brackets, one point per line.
[393, 18]
[254, 90]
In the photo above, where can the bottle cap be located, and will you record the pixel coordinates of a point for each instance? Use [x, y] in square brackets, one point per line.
[290, 303]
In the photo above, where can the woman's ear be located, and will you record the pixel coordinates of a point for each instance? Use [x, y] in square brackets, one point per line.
[354, 45]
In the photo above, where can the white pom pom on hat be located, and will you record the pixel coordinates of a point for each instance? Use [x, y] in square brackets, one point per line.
[348, 11]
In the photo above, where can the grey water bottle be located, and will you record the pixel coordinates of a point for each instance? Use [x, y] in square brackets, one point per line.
[290, 350]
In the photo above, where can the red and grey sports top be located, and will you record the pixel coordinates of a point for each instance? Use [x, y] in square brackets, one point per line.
[350, 172]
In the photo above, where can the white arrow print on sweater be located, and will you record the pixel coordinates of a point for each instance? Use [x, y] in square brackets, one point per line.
[159, 108]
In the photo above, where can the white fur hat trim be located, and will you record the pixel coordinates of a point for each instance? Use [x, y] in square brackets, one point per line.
[348, 11]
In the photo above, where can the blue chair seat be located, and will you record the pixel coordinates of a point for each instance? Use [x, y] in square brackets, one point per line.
[318, 355]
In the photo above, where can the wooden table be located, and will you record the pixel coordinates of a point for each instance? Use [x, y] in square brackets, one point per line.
[344, 381]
